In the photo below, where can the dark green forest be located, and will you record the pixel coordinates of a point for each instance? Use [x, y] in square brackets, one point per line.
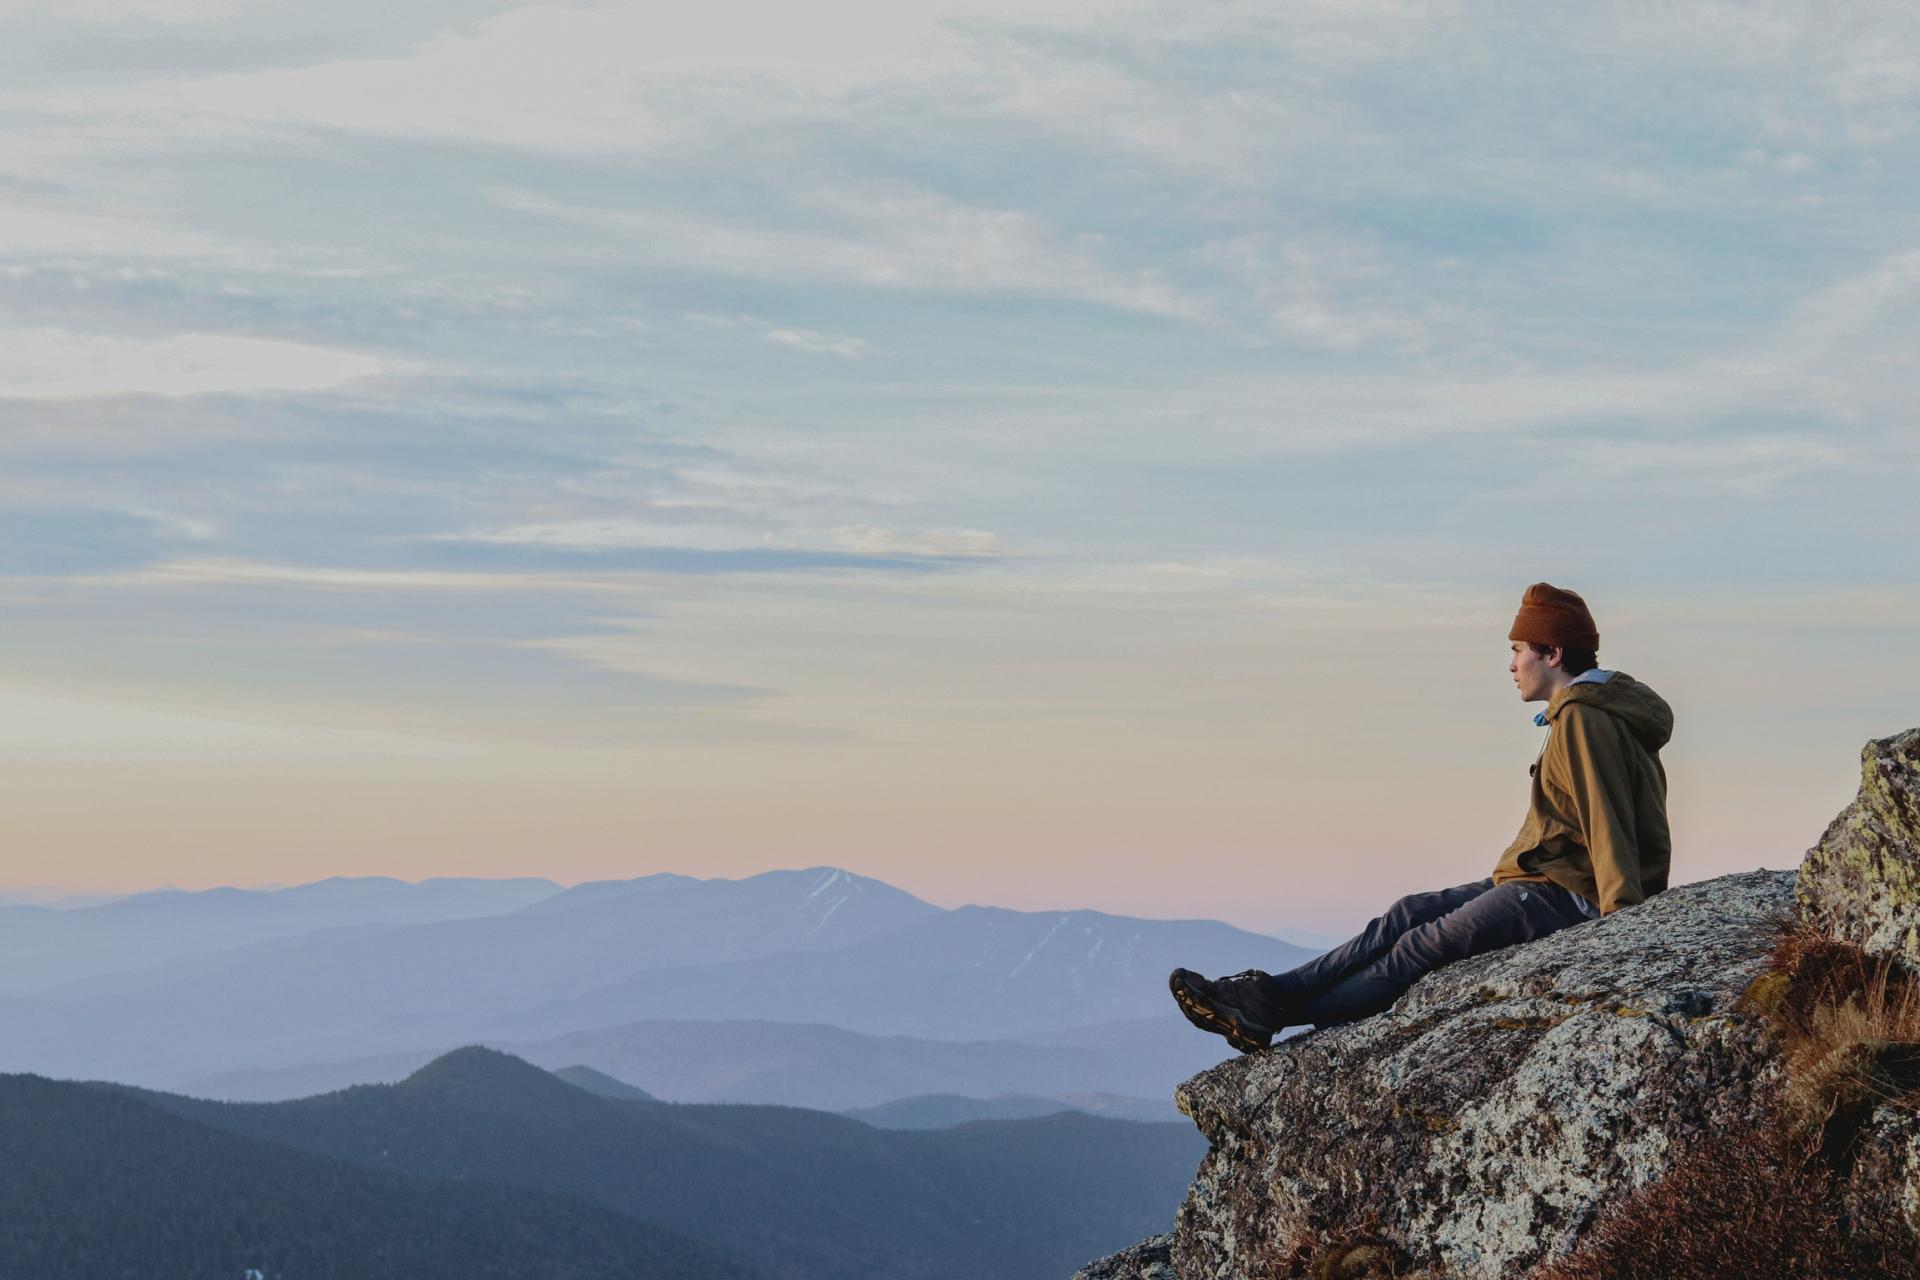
[95, 1185]
[794, 1194]
[481, 1165]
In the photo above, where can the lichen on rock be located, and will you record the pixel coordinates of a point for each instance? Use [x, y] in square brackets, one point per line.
[1147, 1260]
[1882, 1192]
[1861, 883]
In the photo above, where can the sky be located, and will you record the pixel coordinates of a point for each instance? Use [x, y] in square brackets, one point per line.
[1053, 454]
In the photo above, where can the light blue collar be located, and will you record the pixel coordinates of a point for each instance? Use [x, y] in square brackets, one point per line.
[1595, 676]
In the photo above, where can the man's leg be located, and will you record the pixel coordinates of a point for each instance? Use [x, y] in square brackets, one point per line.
[1510, 913]
[1249, 1008]
[1375, 940]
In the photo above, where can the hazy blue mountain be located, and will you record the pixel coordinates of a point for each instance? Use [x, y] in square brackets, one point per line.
[805, 1065]
[280, 1084]
[971, 974]
[799, 1195]
[99, 1184]
[55, 897]
[818, 946]
[375, 989]
[602, 1084]
[945, 1110]
[44, 947]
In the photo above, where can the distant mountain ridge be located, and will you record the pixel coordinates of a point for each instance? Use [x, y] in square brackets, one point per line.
[98, 1183]
[794, 1194]
[819, 945]
[804, 1064]
[945, 1110]
[601, 1083]
[816, 945]
[45, 946]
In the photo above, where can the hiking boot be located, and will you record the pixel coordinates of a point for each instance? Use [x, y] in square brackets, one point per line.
[1239, 1007]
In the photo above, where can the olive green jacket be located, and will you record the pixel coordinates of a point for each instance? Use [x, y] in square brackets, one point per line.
[1597, 823]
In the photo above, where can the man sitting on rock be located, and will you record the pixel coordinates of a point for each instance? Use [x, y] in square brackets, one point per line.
[1595, 840]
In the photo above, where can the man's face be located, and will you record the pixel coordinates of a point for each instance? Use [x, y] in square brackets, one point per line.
[1533, 672]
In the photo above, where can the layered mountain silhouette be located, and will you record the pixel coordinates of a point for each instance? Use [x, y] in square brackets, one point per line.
[807, 1065]
[599, 1082]
[789, 1194]
[96, 1183]
[42, 948]
[945, 1110]
[814, 946]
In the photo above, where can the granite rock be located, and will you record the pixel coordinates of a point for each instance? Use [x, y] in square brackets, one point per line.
[1147, 1260]
[1488, 1118]
[1882, 1192]
[1485, 1120]
[1861, 883]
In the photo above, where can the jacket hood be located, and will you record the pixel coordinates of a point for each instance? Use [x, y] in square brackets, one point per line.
[1645, 712]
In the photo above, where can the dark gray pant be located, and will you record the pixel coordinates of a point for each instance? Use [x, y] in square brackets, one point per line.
[1417, 935]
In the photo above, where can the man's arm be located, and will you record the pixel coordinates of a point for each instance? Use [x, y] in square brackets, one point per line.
[1602, 789]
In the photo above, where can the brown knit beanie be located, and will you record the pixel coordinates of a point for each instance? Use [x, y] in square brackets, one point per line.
[1550, 615]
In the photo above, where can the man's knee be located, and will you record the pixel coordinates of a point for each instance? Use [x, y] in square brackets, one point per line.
[1421, 908]
[1405, 912]
[1498, 918]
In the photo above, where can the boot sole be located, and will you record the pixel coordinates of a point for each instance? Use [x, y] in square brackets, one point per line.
[1207, 1018]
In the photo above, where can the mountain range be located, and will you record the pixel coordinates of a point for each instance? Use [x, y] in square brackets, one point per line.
[807, 1065]
[43, 947]
[817, 946]
[96, 1183]
[782, 1193]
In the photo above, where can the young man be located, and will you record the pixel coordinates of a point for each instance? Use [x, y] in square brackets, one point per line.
[1595, 840]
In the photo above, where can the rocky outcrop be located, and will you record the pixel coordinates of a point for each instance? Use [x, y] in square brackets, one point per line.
[1882, 1191]
[1490, 1116]
[1861, 883]
[1148, 1260]
[1481, 1126]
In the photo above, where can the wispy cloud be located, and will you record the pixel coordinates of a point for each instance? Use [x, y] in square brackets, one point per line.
[248, 573]
[616, 533]
[112, 11]
[813, 342]
[806, 341]
[69, 727]
[890, 236]
[56, 364]
[960, 543]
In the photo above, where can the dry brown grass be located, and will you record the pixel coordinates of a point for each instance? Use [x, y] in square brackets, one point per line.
[1761, 1203]
[1764, 1204]
[1360, 1253]
[1850, 1024]
[1758, 1205]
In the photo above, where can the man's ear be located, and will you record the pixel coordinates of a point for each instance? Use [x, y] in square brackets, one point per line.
[1556, 657]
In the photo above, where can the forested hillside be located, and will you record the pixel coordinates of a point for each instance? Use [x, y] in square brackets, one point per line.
[97, 1185]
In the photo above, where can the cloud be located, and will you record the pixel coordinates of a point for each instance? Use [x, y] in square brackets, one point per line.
[1332, 293]
[57, 364]
[813, 342]
[219, 572]
[617, 533]
[962, 543]
[890, 236]
[612, 533]
[809, 341]
[33, 232]
[171, 12]
[40, 726]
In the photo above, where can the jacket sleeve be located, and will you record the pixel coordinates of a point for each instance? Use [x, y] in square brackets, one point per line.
[1602, 791]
